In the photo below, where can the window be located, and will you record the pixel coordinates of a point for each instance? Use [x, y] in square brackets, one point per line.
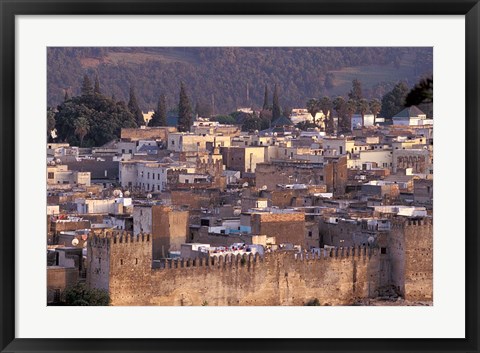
[123, 150]
[148, 175]
[172, 142]
[310, 233]
[121, 262]
[50, 175]
[136, 261]
[383, 250]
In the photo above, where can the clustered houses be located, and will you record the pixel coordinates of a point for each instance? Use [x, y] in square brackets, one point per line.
[216, 192]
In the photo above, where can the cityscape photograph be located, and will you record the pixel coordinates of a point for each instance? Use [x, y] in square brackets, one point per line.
[239, 176]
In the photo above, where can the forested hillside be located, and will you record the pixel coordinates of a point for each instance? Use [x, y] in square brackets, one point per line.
[223, 79]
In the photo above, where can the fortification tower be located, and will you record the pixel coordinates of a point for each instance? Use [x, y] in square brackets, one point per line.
[411, 257]
[119, 262]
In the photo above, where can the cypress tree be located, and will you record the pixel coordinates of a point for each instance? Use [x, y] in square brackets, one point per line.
[265, 98]
[355, 93]
[96, 89]
[276, 111]
[134, 108]
[87, 88]
[184, 110]
[66, 97]
[159, 118]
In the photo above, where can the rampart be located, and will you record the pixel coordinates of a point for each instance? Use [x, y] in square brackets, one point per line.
[336, 277]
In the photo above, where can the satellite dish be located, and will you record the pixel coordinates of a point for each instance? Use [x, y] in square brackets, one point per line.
[239, 202]
[127, 193]
[58, 161]
[75, 242]
[275, 134]
[116, 193]
[149, 196]
[342, 136]
[264, 187]
[244, 185]
[371, 240]
[237, 212]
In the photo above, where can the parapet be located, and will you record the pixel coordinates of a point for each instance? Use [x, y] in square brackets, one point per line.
[117, 237]
[338, 253]
[401, 222]
[221, 261]
[239, 260]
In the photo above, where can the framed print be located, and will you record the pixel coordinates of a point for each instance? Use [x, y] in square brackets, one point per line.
[215, 169]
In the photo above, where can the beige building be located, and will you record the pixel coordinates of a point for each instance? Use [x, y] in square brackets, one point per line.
[382, 157]
[243, 159]
[59, 174]
[188, 142]
[341, 145]
[420, 160]
[149, 176]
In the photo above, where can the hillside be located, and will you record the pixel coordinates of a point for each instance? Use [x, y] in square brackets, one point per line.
[223, 76]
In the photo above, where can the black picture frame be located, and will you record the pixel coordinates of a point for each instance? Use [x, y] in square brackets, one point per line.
[10, 8]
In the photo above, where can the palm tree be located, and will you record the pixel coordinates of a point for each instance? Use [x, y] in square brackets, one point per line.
[326, 107]
[81, 128]
[375, 107]
[363, 108]
[313, 108]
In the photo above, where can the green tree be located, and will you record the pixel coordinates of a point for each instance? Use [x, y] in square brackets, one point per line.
[159, 117]
[351, 108]
[265, 98]
[421, 93]
[252, 123]
[87, 88]
[225, 119]
[265, 119]
[313, 302]
[50, 121]
[355, 93]
[325, 104]
[105, 119]
[375, 107]
[80, 295]
[184, 110]
[313, 108]
[66, 97]
[394, 101]
[134, 108]
[276, 112]
[82, 127]
[340, 107]
[363, 107]
[96, 88]
[287, 111]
